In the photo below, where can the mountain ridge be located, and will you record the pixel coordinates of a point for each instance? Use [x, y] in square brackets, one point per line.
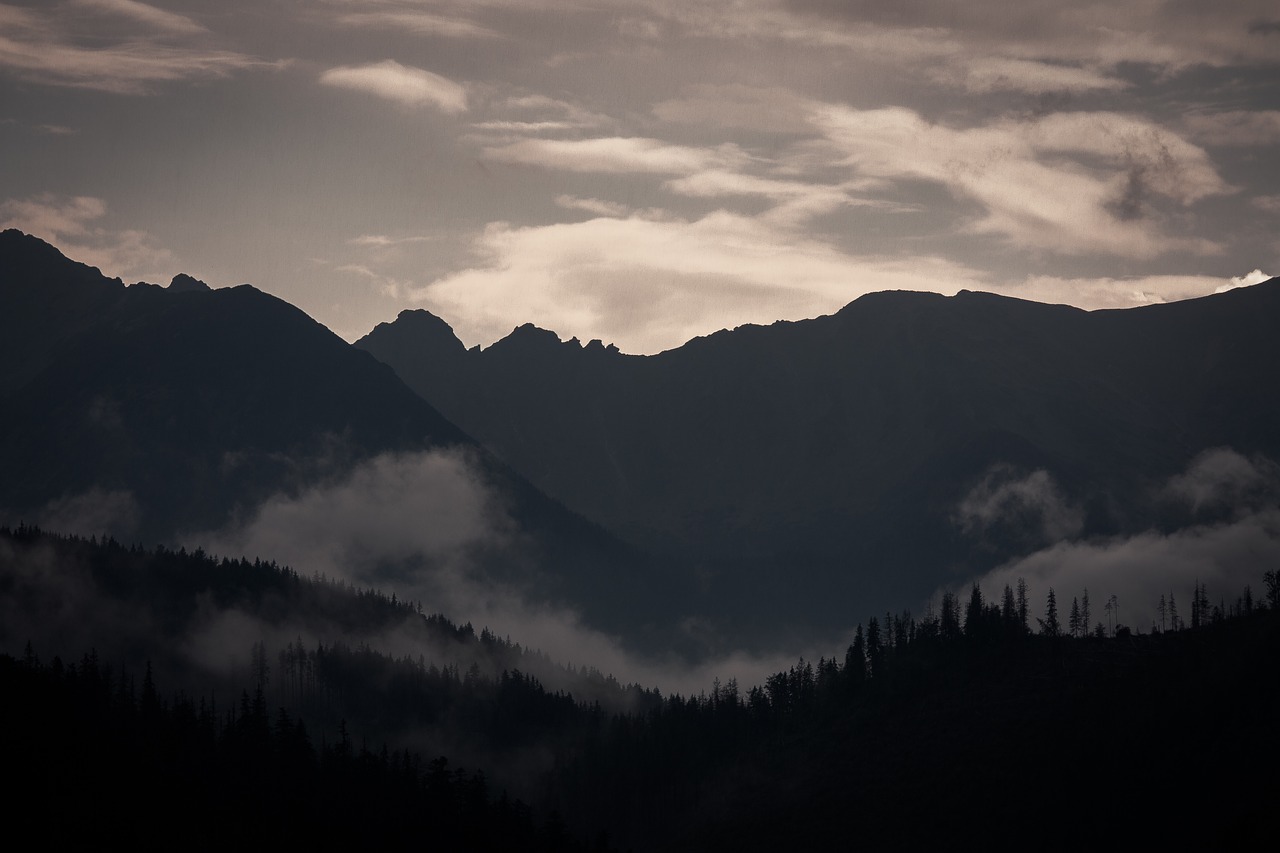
[189, 408]
[841, 447]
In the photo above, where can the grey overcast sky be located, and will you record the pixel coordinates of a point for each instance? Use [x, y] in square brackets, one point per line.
[644, 171]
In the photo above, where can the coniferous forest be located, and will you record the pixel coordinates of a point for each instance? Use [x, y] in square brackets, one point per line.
[984, 722]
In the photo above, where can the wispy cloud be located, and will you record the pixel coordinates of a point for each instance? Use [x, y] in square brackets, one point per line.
[144, 14]
[1115, 292]
[615, 155]
[1068, 183]
[595, 206]
[1236, 127]
[415, 21]
[1226, 554]
[650, 283]
[411, 87]
[71, 222]
[1007, 74]
[51, 48]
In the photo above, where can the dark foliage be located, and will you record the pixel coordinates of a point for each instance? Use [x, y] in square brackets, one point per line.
[95, 760]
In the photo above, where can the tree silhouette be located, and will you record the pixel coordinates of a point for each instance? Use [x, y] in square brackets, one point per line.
[1049, 625]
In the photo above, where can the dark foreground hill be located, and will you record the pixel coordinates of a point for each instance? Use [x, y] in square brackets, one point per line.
[815, 469]
[924, 733]
[152, 412]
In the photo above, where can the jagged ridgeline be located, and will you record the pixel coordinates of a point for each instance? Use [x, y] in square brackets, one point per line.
[161, 413]
[1055, 736]
[806, 466]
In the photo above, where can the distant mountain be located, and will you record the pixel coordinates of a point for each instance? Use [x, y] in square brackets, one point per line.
[198, 404]
[814, 469]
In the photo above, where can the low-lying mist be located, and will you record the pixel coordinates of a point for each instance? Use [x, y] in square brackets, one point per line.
[1221, 530]
[428, 528]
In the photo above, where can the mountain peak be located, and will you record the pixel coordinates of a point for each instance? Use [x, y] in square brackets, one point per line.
[183, 283]
[528, 338]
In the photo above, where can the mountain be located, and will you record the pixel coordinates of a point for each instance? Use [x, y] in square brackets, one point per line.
[183, 408]
[815, 470]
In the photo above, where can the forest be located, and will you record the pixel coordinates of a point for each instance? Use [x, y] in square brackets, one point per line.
[983, 719]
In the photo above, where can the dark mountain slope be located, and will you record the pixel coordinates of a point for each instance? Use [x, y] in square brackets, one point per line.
[199, 404]
[830, 455]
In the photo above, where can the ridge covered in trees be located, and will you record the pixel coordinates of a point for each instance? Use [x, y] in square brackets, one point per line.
[921, 726]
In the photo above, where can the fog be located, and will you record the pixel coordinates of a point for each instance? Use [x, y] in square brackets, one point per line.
[1231, 536]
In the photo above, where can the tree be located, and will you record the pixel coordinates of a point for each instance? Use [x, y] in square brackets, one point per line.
[855, 659]
[973, 613]
[875, 647]
[1049, 625]
[950, 616]
[1008, 608]
[1085, 612]
[261, 672]
[1073, 621]
[1022, 604]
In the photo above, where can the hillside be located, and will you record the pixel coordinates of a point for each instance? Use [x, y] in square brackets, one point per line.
[842, 447]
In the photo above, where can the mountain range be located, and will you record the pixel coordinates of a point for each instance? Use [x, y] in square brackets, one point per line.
[755, 486]
[815, 471]
[169, 411]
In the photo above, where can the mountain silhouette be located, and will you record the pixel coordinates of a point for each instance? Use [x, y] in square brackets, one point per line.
[199, 404]
[814, 469]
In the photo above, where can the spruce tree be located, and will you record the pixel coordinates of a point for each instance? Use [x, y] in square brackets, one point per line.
[1049, 625]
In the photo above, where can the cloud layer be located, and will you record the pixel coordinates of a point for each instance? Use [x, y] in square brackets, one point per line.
[1231, 537]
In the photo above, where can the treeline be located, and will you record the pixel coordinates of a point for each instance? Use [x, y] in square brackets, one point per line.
[928, 727]
[919, 727]
[95, 759]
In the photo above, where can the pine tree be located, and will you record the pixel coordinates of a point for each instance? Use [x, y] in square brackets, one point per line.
[973, 613]
[1085, 612]
[1049, 625]
[1008, 608]
[1022, 604]
[1073, 621]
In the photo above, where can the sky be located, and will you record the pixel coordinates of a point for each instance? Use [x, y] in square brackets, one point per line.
[646, 171]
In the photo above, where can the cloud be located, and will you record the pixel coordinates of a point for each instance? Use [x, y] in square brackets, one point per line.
[1226, 555]
[648, 283]
[1032, 501]
[44, 48]
[1069, 183]
[763, 109]
[142, 13]
[1172, 37]
[1246, 280]
[1222, 478]
[383, 241]
[1005, 74]
[1268, 203]
[1138, 570]
[69, 222]
[91, 513]
[388, 286]
[1104, 292]
[392, 508]
[412, 87]
[1236, 127]
[415, 21]
[414, 524]
[617, 155]
[594, 206]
